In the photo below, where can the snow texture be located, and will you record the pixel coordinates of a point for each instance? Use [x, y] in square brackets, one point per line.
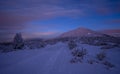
[55, 59]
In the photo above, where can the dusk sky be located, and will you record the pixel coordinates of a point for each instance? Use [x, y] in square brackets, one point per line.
[50, 18]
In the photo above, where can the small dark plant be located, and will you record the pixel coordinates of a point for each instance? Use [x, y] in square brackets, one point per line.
[74, 60]
[72, 44]
[91, 61]
[79, 52]
[101, 56]
[108, 64]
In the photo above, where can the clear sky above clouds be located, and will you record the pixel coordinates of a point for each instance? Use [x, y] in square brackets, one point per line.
[49, 18]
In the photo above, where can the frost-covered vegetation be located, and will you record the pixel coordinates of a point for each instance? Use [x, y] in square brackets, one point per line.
[101, 56]
[18, 42]
[60, 56]
[78, 54]
[72, 44]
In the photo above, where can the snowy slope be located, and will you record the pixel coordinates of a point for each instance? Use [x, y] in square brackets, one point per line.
[55, 59]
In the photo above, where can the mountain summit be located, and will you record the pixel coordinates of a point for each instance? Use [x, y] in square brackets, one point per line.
[81, 32]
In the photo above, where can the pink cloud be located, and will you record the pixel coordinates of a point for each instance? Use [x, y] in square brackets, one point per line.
[45, 33]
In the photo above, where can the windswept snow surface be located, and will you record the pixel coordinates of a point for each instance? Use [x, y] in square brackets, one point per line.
[54, 59]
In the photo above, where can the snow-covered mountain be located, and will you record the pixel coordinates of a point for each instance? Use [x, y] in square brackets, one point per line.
[81, 32]
[112, 32]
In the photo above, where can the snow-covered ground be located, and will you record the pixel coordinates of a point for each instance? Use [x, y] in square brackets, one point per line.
[55, 59]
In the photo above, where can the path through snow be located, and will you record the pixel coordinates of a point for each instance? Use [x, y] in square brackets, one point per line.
[53, 59]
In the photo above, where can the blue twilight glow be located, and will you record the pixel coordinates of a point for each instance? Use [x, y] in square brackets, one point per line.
[49, 18]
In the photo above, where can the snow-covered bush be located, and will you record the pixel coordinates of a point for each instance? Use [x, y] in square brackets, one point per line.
[99, 43]
[110, 45]
[74, 60]
[78, 55]
[79, 52]
[101, 56]
[6, 47]
[91, 61]
[72, 44]
[51, 41]
[35, 44]
[107, 47]
[108, 64]
[18, 42]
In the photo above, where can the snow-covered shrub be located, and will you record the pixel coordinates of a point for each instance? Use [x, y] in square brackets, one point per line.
[116, 45]
[110, 45]
[51, 41]
[18, 42]
[79, 52]
[90, 61]
[35, 44]
[6, 47]
[101, 56]
[74, 60]
[78, 55]
[72, 44]
[107, 47]
[42, 44]
[108, 64]
[99, 43]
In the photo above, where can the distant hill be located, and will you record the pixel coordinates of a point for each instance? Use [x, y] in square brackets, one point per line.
[112, 32]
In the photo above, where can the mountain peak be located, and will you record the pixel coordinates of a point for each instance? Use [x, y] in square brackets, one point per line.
[80, 32]
[82, 28]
